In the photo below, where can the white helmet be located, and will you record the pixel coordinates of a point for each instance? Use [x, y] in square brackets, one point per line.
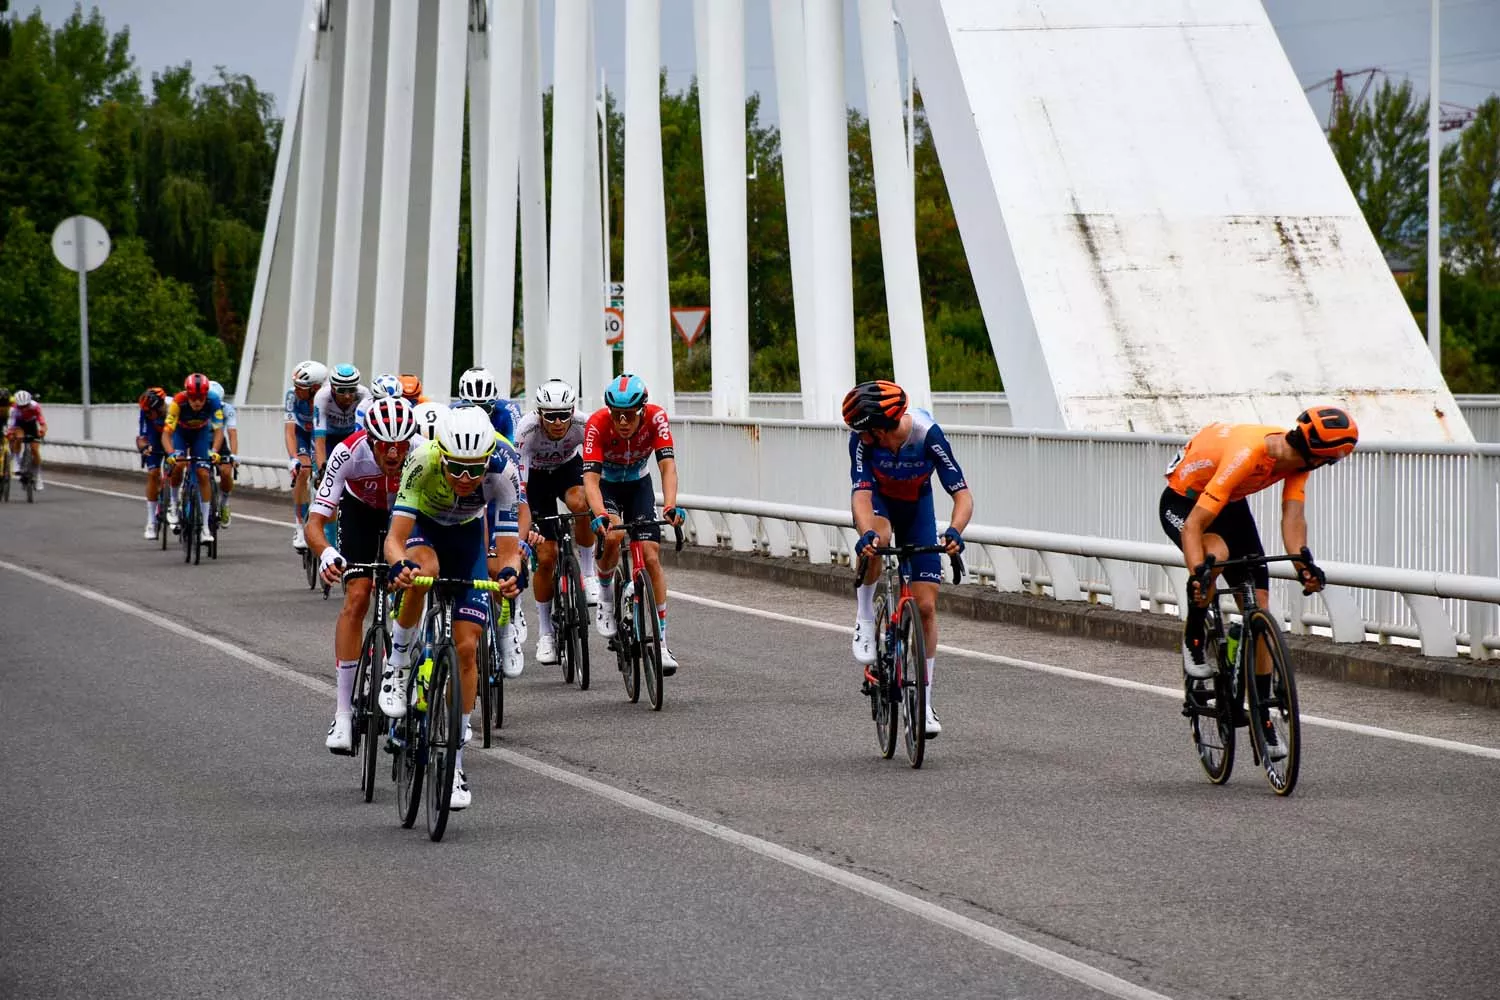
[386, 385]
[217, 388]
[21, 398]
[466, 434]
[309, 374]
[555, 394]
[479, 385]
[345, 376]
[391, 420]
[427, 416]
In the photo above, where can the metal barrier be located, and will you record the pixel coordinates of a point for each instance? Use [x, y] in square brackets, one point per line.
[261, 473]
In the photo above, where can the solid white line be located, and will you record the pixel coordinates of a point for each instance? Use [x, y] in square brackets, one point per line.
[1397, 735]
[1434, 742]
[986, 935]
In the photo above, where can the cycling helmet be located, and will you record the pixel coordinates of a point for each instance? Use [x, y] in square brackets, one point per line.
[479, 385]
[466, 434]
[22, 398]
[877, 405]
[411, 388]
[309, 374]
[196, 386]
[153, 399]
[390, 420]
[1324, 432]
[386, 385]
[216, 387]
[625, 393]
[427, 416]
[345, 378]
[555, 395]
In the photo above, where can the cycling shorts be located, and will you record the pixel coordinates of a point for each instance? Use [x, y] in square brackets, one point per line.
[461, 552]
[304, 441]
[913, 522]
[362, 531]
[1235, 524]
[632, 500]
[547, 489]
[154, 453]
[193, 443]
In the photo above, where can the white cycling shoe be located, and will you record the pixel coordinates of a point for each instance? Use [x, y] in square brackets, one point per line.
[299, 538]
[150, 533]
[933, 727]
[1195, 662]
[393, 692]
[518, 620]
[546, 648]
[460, 797]
[340, 734]
[668, 661]
[512, 656]
[864, 641]
[206, 533]
[604, 620]
[173, 518]
[591, 590]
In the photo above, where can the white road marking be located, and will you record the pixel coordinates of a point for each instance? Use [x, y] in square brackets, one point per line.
[1397, 735]
[984, 934]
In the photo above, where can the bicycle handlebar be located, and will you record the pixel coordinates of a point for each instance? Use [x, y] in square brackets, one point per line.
[905, 552]
[1304, 557]
[569, 516]
[454, 583]
[647, 522]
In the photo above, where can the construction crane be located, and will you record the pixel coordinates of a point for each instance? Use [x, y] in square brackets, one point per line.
[1450, 116]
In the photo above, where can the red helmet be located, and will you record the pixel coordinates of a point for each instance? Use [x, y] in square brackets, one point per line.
[1324, 433]
[196, 386]
[153, 399]
[877, 405]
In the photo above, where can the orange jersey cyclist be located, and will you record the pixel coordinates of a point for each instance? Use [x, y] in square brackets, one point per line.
[893, 453]
[1204, 509]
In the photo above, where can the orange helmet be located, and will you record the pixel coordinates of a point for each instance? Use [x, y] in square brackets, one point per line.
[153, 399]
[411, 388]
[877, 405]
[1324, 434]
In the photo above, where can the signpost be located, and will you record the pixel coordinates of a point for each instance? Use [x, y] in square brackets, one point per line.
[614, 326]
[80, 244]
[690, 322]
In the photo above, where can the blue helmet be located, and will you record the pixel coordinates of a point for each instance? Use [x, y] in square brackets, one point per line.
[345, 376]
[625, 393]
[386, 385]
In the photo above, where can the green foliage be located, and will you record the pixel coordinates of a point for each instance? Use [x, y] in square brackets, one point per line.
[1382, 149]
[1471, 197]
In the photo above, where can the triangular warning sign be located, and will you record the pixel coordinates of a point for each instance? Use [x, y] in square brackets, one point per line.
[690, 322]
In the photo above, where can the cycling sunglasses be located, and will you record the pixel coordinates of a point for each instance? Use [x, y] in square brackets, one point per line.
[556, 416]
[465, 470]
[621, 416]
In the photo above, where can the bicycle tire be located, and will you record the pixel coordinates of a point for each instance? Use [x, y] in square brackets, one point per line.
[367, 715]
[484, 669]
[913, 666]
[309, 569]
[626, 654]
[4, 471]
[1280, 709]
[578, 643]
[445, 725]
[882, 692]
[408, 766]
[1213, 730]
[213, 513]
[648, 629]
[26, 475]
[185, 524]
[562, 613]
[163, 529]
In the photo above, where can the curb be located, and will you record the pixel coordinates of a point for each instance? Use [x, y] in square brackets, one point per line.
[1393, 668]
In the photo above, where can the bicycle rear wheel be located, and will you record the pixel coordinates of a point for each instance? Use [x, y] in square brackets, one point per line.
[445, 729]
[912, 663]
[407, 768]
[1275, 722]
[186, 529]
[163, 529]
[368, 719]
[882, 691]
[486, 667]
[1210, 706]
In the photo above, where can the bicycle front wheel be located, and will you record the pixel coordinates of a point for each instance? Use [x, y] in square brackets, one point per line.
[186, 527]
[883, 691]
[445, 729]
[627, 652]
[1275, 723]
[912, 662]
[369, 721]
[578, 632]
[1210, 706]
[648, 629]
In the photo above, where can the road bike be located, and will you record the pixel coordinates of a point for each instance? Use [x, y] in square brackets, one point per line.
[637, 638]
[426, 739]
[488, 662]
[190, 517]
[570, 603]
[368, 723]
[24, 472]
[1215, 706]
[310, 561]
[5, 468]
[896, 683]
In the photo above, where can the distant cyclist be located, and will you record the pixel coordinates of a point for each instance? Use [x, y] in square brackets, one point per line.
[307, 378]
[1205, 511]
[231, 448]
[27, 423]
[411, 389]
[893, 452]
[381, 387]
[148, 441]
[194, 431]
[619, 440]
[480, 387]
[335, 408]
[359, 488]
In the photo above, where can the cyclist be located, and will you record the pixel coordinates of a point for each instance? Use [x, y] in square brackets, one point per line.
[194, 429]
[1205, 511]
[893, 452]
[227, 460]
[364, 474]
[307, 378]
[618, 441]
[148, 442]
[550, 442]
[381, 387]
[335, 408]
[411, 389]
[438, 528]
[480, 387]
[26, 423]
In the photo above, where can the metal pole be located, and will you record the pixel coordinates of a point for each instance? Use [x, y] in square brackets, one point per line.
[1434, 219]
[604, 170]
[83, 323]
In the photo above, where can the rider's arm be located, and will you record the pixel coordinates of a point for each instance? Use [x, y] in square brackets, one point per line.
[668, 468]
[593, 493]
[169, 426]
[862, 500]
[396, 536]
[963, 510]
[320, 426]
[593, 461]
[217, 423]
[862, 504]
[1293, 524]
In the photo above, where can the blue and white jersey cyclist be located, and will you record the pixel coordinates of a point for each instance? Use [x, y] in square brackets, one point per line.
[381, 387]
[336, 410]
[307, 378]
[893, 452]
[230, 448]
[479, 387]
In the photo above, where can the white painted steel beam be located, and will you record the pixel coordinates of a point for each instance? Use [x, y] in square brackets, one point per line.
[479, 159]
[572, 113]
[895, 200]
[533, 185]
[307, 231]
[447, 179]
[349, 212]
[593, 353]
[395, 189]
[648, 319]
[495, 337]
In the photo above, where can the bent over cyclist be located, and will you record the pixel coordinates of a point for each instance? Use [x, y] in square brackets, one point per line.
[893, 453]
[1205, 511]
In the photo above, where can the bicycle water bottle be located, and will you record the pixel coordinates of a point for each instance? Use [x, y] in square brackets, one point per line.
[1233, 646]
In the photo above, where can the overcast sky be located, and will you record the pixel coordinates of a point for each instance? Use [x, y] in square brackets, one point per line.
[258, 37]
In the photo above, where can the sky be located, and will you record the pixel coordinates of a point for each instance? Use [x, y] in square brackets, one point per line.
[1319, 36]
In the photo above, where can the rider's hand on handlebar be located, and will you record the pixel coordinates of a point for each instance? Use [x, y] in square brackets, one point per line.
[1312, 576]
[600, 524]
[866, 541]
[953, 540]
[402, 573]
[510, 582]
[675, 514]
[330, 565]
[1201, 584]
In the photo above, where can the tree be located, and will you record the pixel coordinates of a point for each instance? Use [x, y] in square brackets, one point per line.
[1382, 149]
[1471, 197]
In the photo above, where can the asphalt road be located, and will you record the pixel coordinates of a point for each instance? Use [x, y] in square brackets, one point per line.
[175, 827]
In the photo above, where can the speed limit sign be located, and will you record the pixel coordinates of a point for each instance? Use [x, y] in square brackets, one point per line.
[614, 326]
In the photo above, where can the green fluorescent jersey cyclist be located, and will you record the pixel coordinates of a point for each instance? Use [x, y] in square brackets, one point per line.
[438, 528]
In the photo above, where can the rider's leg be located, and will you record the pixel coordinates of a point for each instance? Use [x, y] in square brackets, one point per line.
[346, 636]
[546, 566]
[583, 535]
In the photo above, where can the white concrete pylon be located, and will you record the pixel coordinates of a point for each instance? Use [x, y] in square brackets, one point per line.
[572, 112]
[894, 200]
[594, 354]
[349, 211]
[724, 165]
[395, 189]
[533, 185]
[648, 320]
[788, 44]
[447, 179]
[828, 154]
[313, 149]
[494, 338]
[479, 158]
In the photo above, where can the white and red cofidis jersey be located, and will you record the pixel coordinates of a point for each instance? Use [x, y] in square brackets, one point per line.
[354, 469]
